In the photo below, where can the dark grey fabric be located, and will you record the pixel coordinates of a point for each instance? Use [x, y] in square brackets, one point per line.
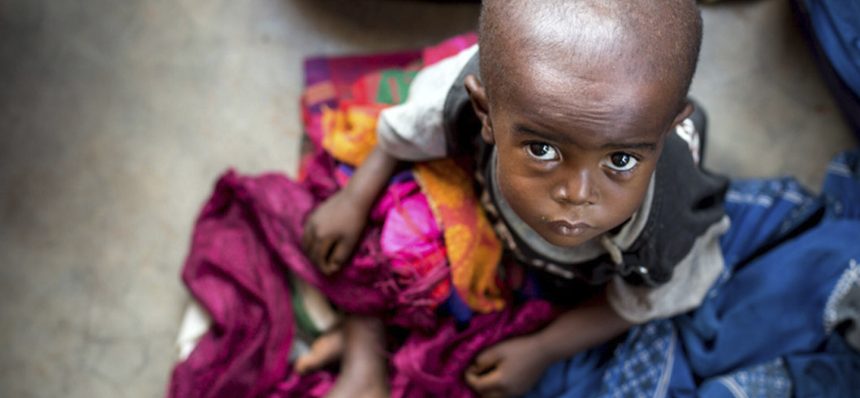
[462, 127]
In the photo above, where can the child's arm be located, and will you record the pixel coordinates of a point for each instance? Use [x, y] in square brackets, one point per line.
[511, 367]
[333, 229]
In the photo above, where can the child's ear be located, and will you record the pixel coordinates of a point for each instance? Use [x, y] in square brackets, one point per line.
[685, 112]
[478, 96]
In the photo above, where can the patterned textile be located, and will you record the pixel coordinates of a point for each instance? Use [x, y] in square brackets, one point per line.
[474, 250]
[247, 242]
[770, 380]
[348, 132]
[643, 362]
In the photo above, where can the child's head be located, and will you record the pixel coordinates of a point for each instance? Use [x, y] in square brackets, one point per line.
[578, 97]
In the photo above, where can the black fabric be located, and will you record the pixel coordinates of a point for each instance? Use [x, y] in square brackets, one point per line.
[687, 201]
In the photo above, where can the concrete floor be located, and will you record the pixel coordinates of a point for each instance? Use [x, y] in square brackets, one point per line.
[117, 116]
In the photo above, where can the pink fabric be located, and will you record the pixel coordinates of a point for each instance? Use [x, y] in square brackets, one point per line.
[232, 273]
[249, 234]
[447, 48]
[414, 246]
[432, 365]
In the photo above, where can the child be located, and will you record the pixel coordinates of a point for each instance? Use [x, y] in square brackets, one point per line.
[571, 130]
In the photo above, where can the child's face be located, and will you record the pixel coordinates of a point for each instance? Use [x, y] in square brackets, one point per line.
[576, 146]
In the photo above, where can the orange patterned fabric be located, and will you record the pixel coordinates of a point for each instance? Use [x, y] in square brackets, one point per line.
[349, 132]
[348, 129]
[474, 250]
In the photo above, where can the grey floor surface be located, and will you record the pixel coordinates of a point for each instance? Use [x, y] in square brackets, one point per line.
[116, 117]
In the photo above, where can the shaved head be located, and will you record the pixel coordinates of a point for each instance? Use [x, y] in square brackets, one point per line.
[643, 40]
[578, 98]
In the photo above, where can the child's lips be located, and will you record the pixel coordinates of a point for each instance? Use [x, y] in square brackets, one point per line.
[569, 227]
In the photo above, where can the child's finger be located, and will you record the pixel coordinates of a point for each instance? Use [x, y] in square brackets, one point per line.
[473, 379]
[494, 394]
[340, 252]
[484, 384]
[320, 249]
[485, 361]
[301, 366]
[308, 237]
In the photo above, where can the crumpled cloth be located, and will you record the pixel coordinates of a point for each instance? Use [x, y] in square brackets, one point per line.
[246, 238]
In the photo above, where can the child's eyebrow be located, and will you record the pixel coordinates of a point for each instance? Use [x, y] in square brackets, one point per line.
[642, 146]
[560, 138]
[563, 139]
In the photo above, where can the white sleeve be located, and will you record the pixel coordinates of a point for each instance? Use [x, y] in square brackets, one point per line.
[414, 130]
[691, 281]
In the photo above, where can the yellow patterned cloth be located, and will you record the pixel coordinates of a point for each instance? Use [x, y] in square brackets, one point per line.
[474, 250]
[349, 132]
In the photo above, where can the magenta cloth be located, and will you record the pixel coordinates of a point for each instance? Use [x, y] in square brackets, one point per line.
[432, 365]
[247, 237]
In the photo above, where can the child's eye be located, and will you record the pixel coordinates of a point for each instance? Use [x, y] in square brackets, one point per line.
[620, 161]
[542, 151]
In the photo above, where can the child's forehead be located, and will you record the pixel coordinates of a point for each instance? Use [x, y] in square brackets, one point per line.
[597, 97]
[606, 81]
[588, 40]
[555, 26]
[591, 77]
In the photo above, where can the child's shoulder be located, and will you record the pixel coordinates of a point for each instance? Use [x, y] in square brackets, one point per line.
[430, 124]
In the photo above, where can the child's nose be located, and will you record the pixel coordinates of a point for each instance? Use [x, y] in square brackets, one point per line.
[577, 189]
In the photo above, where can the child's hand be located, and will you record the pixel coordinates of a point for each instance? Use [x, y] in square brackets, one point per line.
[508, 369]
[332, 231]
